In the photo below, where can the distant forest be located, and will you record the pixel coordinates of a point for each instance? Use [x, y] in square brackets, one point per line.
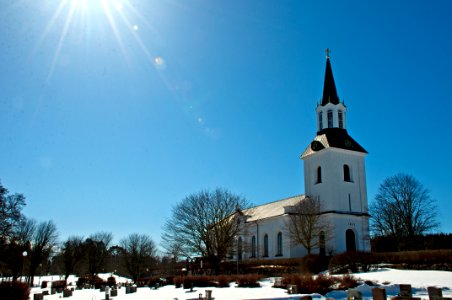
[435, 241]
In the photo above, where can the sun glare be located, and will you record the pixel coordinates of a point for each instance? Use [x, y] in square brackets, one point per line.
[79, 16]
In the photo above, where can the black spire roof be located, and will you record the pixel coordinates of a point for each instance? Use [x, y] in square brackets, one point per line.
[329, 87]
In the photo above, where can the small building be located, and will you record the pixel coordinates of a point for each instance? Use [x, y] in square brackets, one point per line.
[334, 175]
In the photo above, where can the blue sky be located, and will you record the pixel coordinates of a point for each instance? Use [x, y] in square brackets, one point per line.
[114, 111]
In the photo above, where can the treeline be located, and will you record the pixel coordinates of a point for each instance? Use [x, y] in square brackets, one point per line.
[420, 242]
[29, 248]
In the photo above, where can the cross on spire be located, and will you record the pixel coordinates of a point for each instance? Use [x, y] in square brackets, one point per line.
[327, 51]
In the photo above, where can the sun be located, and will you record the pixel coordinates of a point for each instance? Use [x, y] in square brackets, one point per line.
[120, 16]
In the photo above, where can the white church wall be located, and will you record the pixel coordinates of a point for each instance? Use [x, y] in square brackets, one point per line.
[340, 224]
[271, 227]
[333, 191]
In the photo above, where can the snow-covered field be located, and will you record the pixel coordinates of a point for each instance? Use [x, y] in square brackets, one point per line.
[387, 278]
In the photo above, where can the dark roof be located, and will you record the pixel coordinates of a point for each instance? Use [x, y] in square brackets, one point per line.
[329, 87]
[333, 138]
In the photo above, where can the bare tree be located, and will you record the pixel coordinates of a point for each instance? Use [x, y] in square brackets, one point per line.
[72, 253]
[139, 252]
[403, 209]
[44, 239]
[10, 212]
[13, 262]
[12, 228]
[205, 224]
[306, 225]
[97, 251]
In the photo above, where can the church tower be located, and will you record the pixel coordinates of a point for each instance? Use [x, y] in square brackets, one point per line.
[334, 173]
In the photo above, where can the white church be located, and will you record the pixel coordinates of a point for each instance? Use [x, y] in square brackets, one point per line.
[334, 173]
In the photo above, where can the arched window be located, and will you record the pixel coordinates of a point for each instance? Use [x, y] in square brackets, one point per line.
[320, 120]
[341, 119]
[330, 119]
[347, 176]
[279, 251]
[350, 241]
[239, 248]
[322, 250]
[319, 175]
[265, 245]
[253, 246]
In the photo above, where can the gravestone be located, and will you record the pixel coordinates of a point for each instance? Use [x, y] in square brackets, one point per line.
[114, 293]
[405, 290]
[434, 293]
[292, 289]
[38, 296]
[67, 293]
[208, 294]
[378, 294]
[405, 293]
[354, 295]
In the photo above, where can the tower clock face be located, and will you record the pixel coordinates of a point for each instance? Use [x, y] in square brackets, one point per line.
[316, 146]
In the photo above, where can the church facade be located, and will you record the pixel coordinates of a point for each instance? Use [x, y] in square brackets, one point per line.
[334, 175]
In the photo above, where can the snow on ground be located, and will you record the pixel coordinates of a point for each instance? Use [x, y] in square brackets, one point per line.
[389, 279]
[386, 278]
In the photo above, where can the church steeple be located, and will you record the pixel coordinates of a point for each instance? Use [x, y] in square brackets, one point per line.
[334, 173]
[329, 87]
[330, 112]
[331, 120]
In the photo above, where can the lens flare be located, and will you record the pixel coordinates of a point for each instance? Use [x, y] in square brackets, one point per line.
[82, 18]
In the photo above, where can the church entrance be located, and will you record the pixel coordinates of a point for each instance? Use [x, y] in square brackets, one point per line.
[350, 240]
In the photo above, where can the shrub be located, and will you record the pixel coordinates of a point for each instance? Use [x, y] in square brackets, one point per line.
[322, 285]
[98, 282]
[314, 264]
[352, 261]
[250, 280]
[92, 280]
[291, 279]
[307, 284]
[223, 281]
[177, 281]
[82, 281]
[269, 268]
[346, 282]
[14, 290]
[418, 258]
[151, 281]
[198, 281]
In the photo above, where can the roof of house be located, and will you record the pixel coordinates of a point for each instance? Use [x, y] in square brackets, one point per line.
[272, 209]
